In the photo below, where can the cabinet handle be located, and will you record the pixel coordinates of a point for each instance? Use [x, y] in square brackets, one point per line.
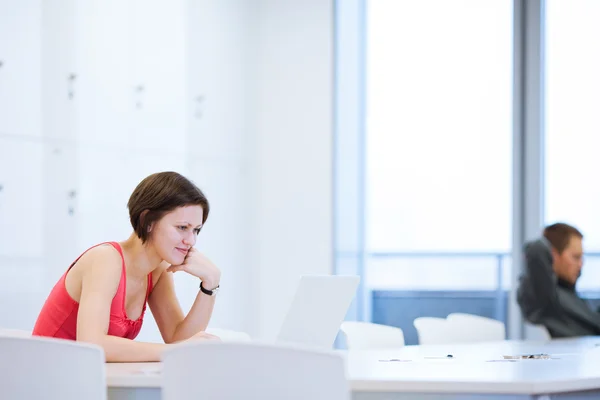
[1, 187]
[71, 85]
[71, 208]
[199, 100]
[1, 63]
[139, 89]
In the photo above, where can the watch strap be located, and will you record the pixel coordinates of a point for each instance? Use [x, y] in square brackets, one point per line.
[206, 291]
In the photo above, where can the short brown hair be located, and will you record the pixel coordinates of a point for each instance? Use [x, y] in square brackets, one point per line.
[560, 234]
[159, 194]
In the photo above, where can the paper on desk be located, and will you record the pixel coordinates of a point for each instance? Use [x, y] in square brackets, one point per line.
[541, 356]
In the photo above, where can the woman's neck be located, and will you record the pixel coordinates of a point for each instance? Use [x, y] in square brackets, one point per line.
[140, 259]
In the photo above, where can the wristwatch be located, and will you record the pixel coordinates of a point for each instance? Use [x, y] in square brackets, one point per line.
[209, 292]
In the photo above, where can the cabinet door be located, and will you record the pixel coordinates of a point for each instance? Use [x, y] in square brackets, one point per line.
[158, 50]
[21, 217]
[102, 196]
[20, 80]
[140, 165]
[60, 196]
[60, 71]
[104, 81]
[218, 46]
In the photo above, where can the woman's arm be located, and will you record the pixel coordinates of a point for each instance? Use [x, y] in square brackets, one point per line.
[163, 302]
[99, 284]
[173, 326]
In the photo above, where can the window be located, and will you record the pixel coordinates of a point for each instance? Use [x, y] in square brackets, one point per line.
[439, 150]
[572, 125]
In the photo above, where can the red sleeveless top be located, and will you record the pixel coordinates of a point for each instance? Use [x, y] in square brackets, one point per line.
[58, 317]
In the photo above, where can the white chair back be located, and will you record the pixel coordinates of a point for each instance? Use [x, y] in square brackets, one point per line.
[433, 330]
[536, 332]
[228, 371]
[367, 335]
[227, 335]
[475, 329]
[51, 369]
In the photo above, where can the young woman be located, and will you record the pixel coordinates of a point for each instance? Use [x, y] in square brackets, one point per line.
[102, 296]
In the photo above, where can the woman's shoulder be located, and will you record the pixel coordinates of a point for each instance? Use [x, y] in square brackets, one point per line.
[100, 265]
[105, 257]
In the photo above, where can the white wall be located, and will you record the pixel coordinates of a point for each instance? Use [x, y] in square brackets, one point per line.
[293, 111]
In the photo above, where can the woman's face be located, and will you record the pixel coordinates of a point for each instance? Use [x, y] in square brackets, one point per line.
[175, 233]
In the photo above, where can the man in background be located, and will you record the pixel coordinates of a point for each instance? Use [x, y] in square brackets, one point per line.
[546, 292]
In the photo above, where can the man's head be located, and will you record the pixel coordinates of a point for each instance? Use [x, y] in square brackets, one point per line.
[567, 250]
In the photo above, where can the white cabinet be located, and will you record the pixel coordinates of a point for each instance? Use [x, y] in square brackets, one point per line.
[60, 71]
[218, 71]
[104, 81]
[61, 206]
[142, 164]
[20, 54]
[121, 65]
[21, 201]
[165, 79]
[103, 191]
[158, 50]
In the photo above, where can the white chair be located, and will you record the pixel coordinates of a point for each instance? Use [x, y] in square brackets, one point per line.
[51, 369]
[475, 329]
[228, 371]
[228, 335]
[14, 332]
[433, 330]
[367, 335]
[536, 332]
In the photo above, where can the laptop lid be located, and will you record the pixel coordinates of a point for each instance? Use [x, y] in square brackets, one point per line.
[318, 309]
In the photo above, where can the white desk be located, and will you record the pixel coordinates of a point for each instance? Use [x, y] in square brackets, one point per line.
[572, 373]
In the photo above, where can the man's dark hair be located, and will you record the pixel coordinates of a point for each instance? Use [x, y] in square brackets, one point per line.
[559, 235]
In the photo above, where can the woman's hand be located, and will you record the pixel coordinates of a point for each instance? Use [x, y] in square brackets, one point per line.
[198, 265]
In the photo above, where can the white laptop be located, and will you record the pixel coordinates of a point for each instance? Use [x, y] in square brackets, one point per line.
[318, 309]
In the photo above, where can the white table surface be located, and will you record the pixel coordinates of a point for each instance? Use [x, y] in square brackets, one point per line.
[476, 369]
